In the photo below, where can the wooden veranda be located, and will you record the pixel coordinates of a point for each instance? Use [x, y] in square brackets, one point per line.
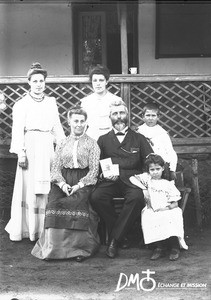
[185, 103]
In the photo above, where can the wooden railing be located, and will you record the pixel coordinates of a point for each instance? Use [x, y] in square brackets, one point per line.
[185, 103]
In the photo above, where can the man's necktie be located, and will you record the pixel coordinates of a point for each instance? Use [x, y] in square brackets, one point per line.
[121, 133]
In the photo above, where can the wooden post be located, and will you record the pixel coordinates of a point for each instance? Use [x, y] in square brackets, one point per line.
[194, 163]
[125, 88]
[123, 37]
[71, 63]
[125, 94]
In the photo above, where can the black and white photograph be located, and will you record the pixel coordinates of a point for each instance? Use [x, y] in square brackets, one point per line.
[105, 149]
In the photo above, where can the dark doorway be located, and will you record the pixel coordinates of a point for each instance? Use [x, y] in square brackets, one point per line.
[97, 36]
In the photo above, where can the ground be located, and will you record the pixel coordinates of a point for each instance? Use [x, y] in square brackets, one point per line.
[25, 277]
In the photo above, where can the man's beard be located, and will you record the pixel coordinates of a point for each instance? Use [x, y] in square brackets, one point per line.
[120, 124]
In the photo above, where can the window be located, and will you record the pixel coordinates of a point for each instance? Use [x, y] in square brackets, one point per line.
[183, 29]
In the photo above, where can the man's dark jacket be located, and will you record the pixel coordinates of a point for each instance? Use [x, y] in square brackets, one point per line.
[129, 155]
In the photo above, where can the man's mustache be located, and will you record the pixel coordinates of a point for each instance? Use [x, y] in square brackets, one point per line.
[120, 121]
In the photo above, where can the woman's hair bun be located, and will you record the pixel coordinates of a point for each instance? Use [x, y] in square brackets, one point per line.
[36, 65]
[36, 68]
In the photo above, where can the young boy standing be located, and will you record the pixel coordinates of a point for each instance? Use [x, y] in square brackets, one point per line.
[158, 137]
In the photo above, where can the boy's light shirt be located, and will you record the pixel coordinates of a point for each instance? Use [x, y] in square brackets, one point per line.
[161, 143]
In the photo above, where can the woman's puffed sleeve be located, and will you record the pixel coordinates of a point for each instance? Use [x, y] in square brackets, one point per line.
[93, 160]
[56, 168]
[18, 126]
[174, 193]
[58, 131]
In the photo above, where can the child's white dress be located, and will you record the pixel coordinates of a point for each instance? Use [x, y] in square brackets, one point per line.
[160, 225]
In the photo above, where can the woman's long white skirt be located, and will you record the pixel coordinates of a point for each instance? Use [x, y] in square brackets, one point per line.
[28, 205]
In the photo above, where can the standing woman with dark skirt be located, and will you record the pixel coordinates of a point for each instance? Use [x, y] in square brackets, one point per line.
[36, 127]
[70, 223]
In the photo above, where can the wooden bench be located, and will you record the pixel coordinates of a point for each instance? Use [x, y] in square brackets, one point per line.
[118, 203]
[193, 149]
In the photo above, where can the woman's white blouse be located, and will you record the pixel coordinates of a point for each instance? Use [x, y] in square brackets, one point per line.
[31, 115]
[86, 156]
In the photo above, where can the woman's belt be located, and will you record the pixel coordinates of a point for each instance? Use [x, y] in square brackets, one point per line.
[26, 130]
[104, 128]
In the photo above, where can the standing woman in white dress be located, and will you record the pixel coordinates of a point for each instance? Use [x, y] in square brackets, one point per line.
[36, 127]
[97, 104]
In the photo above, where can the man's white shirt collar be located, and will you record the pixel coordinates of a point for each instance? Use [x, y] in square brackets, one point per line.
[124, 131]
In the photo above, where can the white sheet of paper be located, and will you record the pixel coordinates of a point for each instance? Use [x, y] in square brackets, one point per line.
[115, 169]
[108, 168]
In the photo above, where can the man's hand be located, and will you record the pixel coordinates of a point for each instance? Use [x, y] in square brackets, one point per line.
[111, 178]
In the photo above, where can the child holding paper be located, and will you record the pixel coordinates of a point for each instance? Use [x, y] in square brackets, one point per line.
[161, 218]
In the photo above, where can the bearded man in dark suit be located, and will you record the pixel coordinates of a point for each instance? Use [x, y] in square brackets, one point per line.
[128, 149]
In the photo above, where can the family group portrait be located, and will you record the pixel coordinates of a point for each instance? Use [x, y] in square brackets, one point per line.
[105, 150]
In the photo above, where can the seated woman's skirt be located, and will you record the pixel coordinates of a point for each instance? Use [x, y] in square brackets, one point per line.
[70, 223]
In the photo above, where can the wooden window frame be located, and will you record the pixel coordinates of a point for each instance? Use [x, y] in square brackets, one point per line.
[193, 41]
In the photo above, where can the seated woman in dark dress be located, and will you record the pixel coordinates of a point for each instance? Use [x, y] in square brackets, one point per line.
[70, 229]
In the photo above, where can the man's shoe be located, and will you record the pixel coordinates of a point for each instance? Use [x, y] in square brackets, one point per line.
[174, 255]
[125, 243]
[79, 258]
[157, 253]
[112, 249]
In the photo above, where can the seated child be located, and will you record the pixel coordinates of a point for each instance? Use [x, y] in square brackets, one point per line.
[161, 218]
[157, 136]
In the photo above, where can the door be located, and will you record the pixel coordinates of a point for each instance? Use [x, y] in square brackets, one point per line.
[92, 40]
